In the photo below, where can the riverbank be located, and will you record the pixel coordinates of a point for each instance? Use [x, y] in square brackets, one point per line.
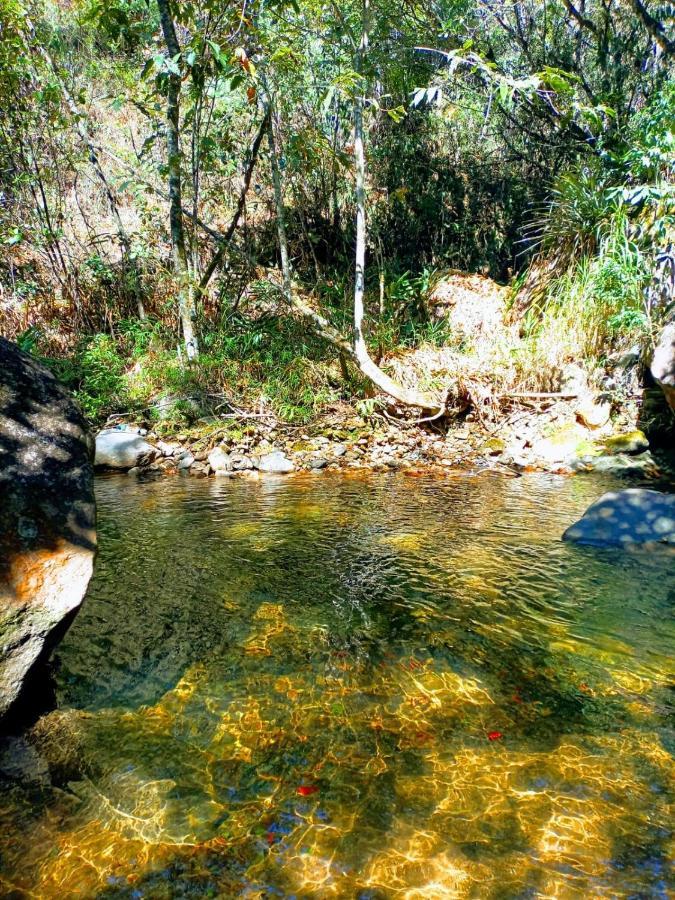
[564, 435]
[513, 400]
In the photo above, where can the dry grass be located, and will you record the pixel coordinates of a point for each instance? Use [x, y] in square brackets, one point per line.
[487, 355]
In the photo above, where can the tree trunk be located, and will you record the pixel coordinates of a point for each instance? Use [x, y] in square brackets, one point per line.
[367, 365]
[356, 351]
[278, 197]
[219, 255]
[186, 301]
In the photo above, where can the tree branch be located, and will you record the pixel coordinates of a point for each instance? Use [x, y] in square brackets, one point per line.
[655, 28]
[584, 21]
[225, 239]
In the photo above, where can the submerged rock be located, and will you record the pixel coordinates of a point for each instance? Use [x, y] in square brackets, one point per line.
[122, 450]
[621, 518]
[185, 460]
[47, 515]
[616, 464]
[20, 761]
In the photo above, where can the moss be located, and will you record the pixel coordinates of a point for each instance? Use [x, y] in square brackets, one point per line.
[630, 442]
[494, 446]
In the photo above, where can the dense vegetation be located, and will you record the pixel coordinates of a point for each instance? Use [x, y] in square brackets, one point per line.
[186, 210]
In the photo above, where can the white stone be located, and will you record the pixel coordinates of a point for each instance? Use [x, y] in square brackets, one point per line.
[122, 450]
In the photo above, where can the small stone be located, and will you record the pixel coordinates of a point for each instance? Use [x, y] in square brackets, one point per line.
[319, 462]
[220, 461]
[494, 446]
[593, 414]
[624, 359]
[240, 462]
[167, 449]
[185, 461]
[122, 450]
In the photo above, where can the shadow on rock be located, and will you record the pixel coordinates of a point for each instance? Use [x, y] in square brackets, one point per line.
[47, 519]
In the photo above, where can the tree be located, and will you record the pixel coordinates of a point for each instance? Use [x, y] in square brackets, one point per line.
[186, 297]
[363, 359]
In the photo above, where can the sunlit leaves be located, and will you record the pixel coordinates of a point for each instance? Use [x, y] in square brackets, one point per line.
[430, 95]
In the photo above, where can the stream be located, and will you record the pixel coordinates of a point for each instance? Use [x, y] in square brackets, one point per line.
[361, 687]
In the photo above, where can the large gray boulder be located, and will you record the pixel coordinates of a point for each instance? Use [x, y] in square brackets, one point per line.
[275, 463]
[47, 515]
[663, 363]
[623, 518]
[122, 450]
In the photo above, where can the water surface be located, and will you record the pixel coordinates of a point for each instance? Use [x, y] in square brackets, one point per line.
[355, 687]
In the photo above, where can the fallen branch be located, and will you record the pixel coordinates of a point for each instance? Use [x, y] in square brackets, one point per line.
[442, 410]
[538, 395]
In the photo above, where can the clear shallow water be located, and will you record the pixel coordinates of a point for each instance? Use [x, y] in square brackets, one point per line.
[355, 687]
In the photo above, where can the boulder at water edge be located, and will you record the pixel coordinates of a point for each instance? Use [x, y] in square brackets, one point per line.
[122, 450]
[623, 518]
[275, 463]
[663, 363]
[47, 515]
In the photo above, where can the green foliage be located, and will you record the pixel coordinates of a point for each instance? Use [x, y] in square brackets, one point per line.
[600, 294]
[125, 24]
[473, 121]
[96, 375]
[580, 211]
[606, 223]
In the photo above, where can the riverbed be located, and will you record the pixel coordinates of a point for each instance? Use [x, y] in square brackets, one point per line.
[364, 687]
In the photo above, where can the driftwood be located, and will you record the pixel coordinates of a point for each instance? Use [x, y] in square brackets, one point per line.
[538, 395]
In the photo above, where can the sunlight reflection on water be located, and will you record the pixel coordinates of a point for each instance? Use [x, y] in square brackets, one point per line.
[355, 687]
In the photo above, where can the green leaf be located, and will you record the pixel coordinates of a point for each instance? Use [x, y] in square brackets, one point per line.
[218, 54]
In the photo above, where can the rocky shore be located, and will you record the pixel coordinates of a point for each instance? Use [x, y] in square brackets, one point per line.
[549, 434]
[595, 419]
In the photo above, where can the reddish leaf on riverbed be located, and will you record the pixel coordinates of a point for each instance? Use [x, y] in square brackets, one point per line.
[495, 735]
[306, 790]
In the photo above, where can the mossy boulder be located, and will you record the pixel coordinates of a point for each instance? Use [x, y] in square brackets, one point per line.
[630, 442]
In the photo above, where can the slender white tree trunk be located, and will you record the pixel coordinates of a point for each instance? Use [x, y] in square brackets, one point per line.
[278, 195]
[367, 365]
[358, 350]
[186, 294]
